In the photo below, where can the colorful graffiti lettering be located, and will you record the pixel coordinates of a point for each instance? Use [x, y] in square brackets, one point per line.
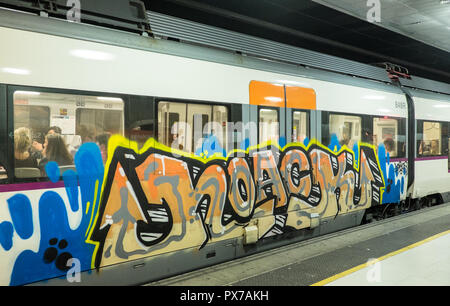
[153, 202]
[149, 201]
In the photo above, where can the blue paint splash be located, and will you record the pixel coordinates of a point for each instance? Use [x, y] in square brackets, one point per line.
[58, 242]
[52, 170]
[356, 154]
[6, 235]
[210, 146]
[393, 180]
[21, 215]
[306, 141]
[282, 141]
[245, 144]
[334, 143]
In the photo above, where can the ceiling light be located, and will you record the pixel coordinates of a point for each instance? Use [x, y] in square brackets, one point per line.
[445, 1]
[28, 93]
[109, 99]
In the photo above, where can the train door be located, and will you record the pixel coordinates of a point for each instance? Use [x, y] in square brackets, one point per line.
[301, 169]
[283, 117]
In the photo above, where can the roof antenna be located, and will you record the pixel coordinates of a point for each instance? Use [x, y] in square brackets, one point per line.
[395, 71]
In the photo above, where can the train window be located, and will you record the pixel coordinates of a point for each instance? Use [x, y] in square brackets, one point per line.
[75, 119]
[429, 138]
[387, 131]
[268, 125]
[300, 126]
[346, 128]
[195, 128]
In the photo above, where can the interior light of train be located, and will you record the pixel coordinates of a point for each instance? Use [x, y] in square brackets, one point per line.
[109, 99]
[28, 93]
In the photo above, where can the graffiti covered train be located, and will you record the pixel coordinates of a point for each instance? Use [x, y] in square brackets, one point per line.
[137, 208]
[149, 201]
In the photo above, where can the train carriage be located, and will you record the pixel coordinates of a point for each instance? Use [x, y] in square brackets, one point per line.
[185, 156]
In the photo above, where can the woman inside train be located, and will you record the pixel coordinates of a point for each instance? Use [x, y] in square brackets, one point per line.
[55, 149]
[22, 145]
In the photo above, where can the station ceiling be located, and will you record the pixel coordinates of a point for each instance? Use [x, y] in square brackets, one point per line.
[412, 33]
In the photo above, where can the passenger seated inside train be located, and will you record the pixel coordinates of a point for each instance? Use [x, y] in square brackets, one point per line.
[434, 147]
[389, 146]
[55, 149]
[87, 133]
[54, 130]
[102, 142]
[22, 146]
[368, 136]
[429, 147]
[37, 145]
[346, 140]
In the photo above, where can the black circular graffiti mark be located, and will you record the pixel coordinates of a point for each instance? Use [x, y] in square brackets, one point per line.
[242, 190]
[61, 261]
[295, 174]
[51, 254]
[268, 187]
[62, 244]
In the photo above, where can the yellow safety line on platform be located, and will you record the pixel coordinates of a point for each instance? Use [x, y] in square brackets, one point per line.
[371, 262]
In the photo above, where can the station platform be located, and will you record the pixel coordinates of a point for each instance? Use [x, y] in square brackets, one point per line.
[406, 250]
